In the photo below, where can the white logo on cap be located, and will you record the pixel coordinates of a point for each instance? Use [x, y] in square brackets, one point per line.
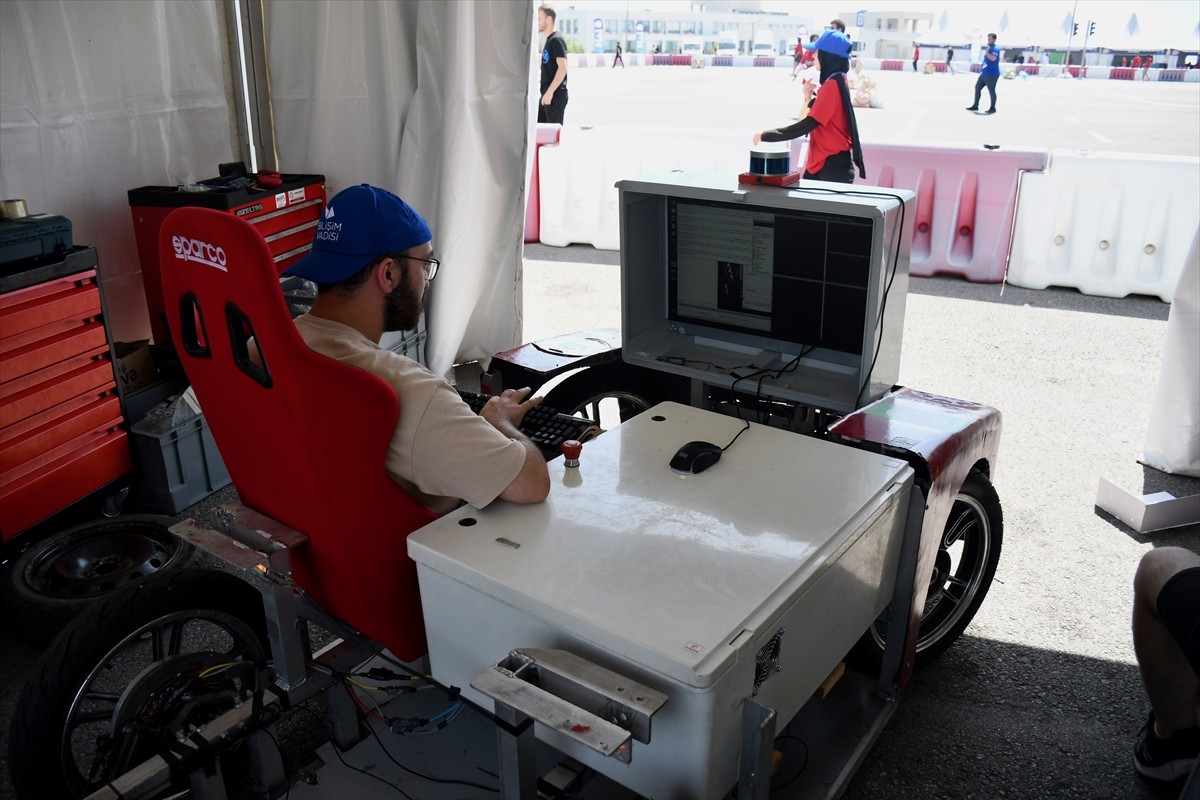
[328, 212]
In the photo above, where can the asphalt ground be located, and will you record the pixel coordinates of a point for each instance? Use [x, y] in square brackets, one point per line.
[1041, 697]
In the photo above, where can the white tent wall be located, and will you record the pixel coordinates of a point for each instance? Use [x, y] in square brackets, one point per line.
[430, 100]
[101, 96]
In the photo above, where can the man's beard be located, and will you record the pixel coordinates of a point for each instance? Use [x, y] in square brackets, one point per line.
[402, 309]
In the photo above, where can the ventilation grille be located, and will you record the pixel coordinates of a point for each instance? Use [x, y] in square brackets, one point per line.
[766, 663]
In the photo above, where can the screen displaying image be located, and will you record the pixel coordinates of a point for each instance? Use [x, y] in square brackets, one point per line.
[794, 277]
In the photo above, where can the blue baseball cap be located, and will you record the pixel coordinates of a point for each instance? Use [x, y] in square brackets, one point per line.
[358, 225]
[832, 42]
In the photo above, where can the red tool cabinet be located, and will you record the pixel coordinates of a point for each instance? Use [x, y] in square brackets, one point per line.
[61, 435]
[286, 215]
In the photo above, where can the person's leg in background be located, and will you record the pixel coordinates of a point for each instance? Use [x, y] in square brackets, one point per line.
[991, 87]
[1166, 620]
[979, 83]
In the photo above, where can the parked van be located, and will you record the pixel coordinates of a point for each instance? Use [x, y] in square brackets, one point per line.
[763, 46]
[692, 46]
[727, 43]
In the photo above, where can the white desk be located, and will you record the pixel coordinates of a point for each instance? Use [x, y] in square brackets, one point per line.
[677, 581]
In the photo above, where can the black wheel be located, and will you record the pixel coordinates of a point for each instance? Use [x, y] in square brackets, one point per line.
[55, 578]
[131, 672]
[607, 393]
[966, 563]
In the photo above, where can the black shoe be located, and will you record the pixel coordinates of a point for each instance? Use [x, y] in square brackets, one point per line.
[990, 111]
[1165, 759]
[972, 108]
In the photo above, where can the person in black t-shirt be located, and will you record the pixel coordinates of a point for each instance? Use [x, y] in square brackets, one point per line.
[553, 102]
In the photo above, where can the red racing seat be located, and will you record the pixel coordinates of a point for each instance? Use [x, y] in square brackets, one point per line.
[304, 436]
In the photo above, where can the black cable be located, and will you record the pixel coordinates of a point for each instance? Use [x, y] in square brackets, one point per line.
[803, 764]
[448, 781]
[338, 752]
[282, 760]
[895, 262]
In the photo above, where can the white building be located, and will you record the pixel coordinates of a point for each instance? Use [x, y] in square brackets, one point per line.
[595, 30]
[886, 34]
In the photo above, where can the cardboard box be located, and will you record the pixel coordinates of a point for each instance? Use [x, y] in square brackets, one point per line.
[135, 365]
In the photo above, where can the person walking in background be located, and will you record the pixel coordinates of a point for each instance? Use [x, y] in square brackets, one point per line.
[618, 59]
[798, 57]
[950, 60]
[1166, 640]
[988, 75]
[553, 104]
[1146, 63]
[834, 149]
[1137, 62]
[916, 55]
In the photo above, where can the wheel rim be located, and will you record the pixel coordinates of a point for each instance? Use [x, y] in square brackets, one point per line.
[93, 561]
[611, 408]
[178, 670]
[957, 575]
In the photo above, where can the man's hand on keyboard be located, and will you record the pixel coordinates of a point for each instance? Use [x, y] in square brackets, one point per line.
[506, 410]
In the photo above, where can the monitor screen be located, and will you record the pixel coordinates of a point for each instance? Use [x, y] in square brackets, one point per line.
[796, 277]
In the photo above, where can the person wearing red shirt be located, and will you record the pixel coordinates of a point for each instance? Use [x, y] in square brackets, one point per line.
[1137, 61]
[833, 145]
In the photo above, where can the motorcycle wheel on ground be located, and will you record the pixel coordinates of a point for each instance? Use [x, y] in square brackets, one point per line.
[131, 673]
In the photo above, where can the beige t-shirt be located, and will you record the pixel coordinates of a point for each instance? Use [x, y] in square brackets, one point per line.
[440, 451]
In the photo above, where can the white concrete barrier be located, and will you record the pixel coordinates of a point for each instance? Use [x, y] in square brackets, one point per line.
[1108, 224]
[578, 177]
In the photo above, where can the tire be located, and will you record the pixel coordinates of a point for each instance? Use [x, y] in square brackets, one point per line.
[607, 393]
[966, 563]
[130, 671]
[55, 578]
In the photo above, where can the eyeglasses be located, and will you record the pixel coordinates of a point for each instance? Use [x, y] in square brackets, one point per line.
[429, 266]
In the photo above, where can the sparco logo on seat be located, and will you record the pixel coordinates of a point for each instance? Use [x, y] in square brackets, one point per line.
[200, 252]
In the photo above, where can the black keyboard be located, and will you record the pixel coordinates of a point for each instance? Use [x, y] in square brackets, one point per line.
[546, 427]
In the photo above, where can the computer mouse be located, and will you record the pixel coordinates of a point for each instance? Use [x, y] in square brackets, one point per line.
[695, 457]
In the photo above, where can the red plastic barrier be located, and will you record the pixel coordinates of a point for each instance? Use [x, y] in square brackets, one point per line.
[965, 205]
[546, 134]
[894, 66]
[1121, 73]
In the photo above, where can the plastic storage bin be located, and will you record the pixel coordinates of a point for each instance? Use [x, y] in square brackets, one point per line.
[179, 466]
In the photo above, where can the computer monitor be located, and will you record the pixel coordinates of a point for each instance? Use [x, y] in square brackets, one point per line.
[805, 286]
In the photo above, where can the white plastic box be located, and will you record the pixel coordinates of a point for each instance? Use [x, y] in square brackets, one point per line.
[675, 581]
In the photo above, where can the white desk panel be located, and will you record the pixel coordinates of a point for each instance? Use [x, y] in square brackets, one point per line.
[661, 568]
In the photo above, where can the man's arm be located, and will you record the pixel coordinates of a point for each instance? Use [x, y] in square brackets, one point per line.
[993, 53]
[505, 412]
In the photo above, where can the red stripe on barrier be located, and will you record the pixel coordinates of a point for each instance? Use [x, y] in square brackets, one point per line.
[1121, 73]
[963, 249]
[922, 243]
[546, 134]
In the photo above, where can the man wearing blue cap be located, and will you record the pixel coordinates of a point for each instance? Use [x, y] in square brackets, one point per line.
[372, 260]
[833, 145]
